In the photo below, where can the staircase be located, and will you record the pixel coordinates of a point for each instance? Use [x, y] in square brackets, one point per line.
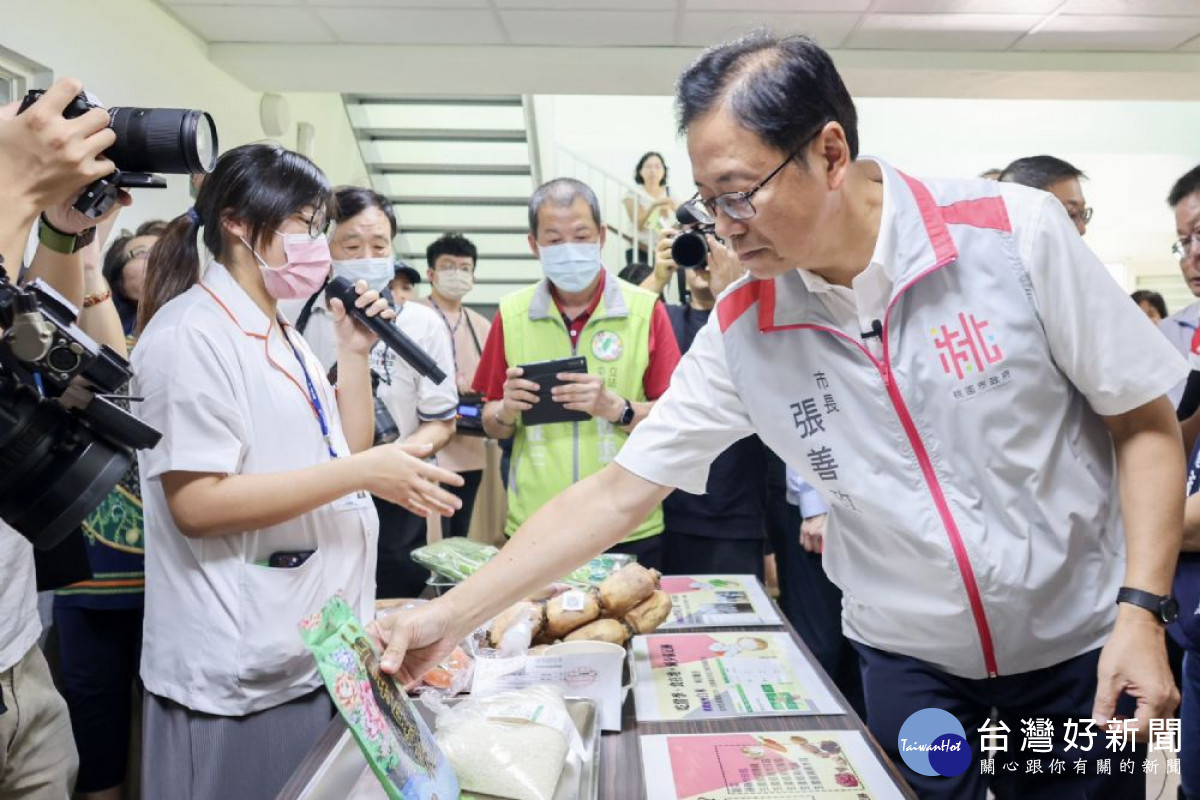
[464, 164]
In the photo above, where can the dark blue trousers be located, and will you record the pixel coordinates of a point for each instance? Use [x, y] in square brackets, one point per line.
[896, 686]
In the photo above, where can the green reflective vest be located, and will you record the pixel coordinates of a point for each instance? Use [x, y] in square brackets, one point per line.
[546, 459]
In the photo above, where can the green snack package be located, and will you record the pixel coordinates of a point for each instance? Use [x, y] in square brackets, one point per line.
[396, 742]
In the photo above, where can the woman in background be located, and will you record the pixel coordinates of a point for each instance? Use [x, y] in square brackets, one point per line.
[125, 269]
[652, 209]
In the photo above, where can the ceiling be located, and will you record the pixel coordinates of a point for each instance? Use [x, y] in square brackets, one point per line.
[1093, 49]
[1136, 26]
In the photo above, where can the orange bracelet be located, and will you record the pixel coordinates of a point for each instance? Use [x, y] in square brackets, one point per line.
[97, 299]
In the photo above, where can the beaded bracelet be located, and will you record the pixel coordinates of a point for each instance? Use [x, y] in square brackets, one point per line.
[97, 299]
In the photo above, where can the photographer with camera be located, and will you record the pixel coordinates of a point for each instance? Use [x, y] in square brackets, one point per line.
[46, 160]
[256, 501]
[724, 529]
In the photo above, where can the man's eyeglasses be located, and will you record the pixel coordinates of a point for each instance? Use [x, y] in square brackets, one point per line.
[1181, 248]
[444, 268]
[738, 205]
[1084, 215]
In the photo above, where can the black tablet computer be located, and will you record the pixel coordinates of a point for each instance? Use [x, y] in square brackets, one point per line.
[544, 374]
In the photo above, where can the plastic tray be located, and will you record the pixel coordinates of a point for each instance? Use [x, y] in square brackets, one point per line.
[344, 775]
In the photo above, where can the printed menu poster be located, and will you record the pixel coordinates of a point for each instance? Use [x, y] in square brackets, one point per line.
[769, 765]
[714, 675]
[717, 601]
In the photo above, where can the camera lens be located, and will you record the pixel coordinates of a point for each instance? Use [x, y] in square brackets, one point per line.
[176, 141]
[690, 250]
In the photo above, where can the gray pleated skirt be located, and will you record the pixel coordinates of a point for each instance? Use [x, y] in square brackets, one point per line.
[189, 755]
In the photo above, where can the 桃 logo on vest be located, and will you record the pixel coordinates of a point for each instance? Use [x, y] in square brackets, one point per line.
[932, 742]
[606, 346]
[969, 353]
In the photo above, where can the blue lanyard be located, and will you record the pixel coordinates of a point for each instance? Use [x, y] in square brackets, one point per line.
[313, 397]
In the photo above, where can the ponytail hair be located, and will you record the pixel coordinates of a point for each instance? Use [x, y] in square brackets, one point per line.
[258, 184]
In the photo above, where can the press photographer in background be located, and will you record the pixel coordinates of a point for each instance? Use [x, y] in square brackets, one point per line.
[45, 161]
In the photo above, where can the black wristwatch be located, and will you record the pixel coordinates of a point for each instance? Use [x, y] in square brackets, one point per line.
[626, 415]
[1163, 606]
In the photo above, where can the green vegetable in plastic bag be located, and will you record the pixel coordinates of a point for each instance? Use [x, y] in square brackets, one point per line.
[458, 558]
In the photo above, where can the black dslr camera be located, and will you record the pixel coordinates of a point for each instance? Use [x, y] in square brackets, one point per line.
[64, 444]
[176, 141]
[689, 250]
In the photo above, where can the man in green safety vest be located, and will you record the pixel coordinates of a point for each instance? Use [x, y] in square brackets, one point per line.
[577, 309]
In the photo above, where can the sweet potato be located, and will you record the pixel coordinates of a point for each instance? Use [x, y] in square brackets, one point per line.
[625, 588]
[560, 621]
[647, 615]
[602, 630]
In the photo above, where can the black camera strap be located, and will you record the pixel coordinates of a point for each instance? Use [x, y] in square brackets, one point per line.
[471, 329]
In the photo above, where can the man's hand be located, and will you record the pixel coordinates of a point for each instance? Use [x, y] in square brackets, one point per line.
[46, 159]
[358, 339]
[586, 392]
[1134, 661]
[724, 267]
[812, 533]
[398, 473]
[66, 218]
[414, 640]
[519, 395]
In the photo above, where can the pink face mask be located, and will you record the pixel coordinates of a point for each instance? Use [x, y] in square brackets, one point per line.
[307, 267]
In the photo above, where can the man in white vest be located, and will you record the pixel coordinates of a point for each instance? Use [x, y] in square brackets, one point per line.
[963, 380]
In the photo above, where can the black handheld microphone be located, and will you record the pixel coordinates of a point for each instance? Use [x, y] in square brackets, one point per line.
[389, 334]
[876, 330]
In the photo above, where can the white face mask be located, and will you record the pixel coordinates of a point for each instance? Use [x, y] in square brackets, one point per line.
[571, 266]
[377, 272]
[454, 284]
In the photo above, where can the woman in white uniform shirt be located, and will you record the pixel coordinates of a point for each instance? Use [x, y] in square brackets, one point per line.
[256, 499]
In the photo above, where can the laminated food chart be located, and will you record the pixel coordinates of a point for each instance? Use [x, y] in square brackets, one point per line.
[720, 675]
[716, 601]
[393, 737]
[764, 765]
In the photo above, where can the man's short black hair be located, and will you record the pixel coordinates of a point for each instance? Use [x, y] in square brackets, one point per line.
[1188, 184]
[782, 89]
[351, 201]
[1040, 172]
[451, 244]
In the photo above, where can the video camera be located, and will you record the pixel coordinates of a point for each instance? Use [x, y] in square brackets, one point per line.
[176, 141]
[689, 249]
[64, 444]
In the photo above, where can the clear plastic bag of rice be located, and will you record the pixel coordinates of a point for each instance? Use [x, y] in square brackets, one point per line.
[510, 744]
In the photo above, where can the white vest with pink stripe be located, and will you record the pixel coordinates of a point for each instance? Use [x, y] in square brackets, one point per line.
[975, 515]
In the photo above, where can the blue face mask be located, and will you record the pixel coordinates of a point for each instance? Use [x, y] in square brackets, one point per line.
[377, 272]
[571, 266]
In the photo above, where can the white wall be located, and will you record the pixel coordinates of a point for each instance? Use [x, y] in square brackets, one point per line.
[1131, 151]
[131, 52]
